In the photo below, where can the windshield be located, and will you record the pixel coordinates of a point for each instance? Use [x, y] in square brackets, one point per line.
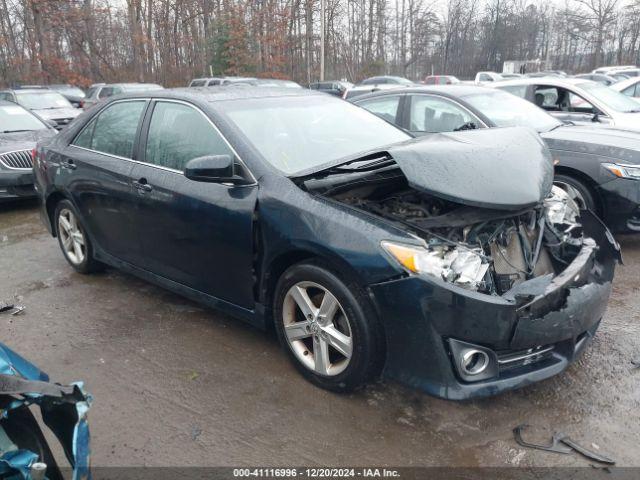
[304, 132]
[42, 100]
[14, 118]
[73, 91]
[610, 97]
[506, 110]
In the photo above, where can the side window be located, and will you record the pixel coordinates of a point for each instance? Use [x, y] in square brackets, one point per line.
[518, 90]
[579, 104]
[179, 133]
[113, 131]
[484, 77]
[4, 96]
[198, 83]
[384, 107]
[105, 92]
[432, 114]
[547, 98]
[629, 91]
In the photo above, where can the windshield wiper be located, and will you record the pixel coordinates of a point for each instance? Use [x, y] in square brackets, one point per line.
[633, 110]
[15, 131]
[382, 161]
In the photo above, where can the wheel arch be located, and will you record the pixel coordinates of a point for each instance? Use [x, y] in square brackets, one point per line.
[50, 205]
[586, 180]
[276, 266]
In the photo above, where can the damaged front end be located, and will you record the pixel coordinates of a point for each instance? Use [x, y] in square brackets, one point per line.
[24, 452]
[506, 280]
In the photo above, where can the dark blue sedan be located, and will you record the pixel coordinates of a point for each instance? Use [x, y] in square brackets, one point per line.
[448, 262]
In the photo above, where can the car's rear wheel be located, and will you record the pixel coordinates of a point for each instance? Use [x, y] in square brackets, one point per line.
[327, 327]
[73, 240]
[578, 191]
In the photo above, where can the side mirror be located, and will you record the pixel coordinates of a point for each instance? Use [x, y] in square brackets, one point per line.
[52, 123]
[211, 168]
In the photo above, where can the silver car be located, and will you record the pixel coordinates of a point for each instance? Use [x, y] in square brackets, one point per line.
[578, 101]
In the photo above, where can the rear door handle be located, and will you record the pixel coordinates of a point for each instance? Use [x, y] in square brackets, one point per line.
[69, 165]
[142, 185]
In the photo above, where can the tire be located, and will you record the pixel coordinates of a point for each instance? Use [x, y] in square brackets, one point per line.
[582, 194]
[73, 240]
[354, 341]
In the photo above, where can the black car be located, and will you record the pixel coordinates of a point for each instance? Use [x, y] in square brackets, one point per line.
[447, 262]
[598, 167]
[19, 132]
[49, 105]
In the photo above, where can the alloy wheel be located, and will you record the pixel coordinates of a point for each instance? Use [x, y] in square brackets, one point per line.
[573, 193]
[317, 329]
[71, 237]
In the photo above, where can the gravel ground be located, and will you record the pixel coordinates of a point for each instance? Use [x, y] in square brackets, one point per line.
[177, 384]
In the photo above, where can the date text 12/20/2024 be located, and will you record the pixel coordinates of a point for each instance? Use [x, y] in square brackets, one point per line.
[316, 473]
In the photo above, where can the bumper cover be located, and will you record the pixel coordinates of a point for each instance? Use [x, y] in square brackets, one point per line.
[621, 198]
[420, 315]
[18, 184]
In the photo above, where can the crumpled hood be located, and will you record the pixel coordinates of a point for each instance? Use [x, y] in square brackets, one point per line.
[499, 168]
[11, 142]
[611, 143]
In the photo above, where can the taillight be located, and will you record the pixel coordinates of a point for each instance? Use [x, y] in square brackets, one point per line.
[81, 103]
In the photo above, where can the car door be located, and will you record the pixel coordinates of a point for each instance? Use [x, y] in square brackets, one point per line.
[426, 113]
[386, 107]
[95, 169]
[198, 234]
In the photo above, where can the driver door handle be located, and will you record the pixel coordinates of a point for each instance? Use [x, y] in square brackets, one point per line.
[142, 185]
[68, 164]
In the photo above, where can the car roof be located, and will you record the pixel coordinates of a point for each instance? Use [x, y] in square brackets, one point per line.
[32, 90]
[453, 91]
[208, 94]
[554, 81]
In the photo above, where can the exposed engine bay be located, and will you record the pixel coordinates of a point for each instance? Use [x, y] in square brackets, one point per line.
[485, 250]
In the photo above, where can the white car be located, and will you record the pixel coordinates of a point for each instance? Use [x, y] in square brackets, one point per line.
[483, 78]
[578, 101]
[629, 87]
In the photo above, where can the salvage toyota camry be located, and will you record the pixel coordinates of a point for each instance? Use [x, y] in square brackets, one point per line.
[446, 262]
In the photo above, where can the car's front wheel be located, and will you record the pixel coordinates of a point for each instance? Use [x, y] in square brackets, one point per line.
[73, 240]
[327, 327]
[578, 191]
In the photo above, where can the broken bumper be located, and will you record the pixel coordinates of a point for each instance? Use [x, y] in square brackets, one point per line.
[429, 323]
[15, 185]
[24, 453]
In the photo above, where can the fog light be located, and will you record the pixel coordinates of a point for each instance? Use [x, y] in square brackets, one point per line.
[474, 362]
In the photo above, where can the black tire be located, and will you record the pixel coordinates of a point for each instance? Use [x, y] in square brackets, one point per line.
[367, 337]
[588, 197]
[88, 264]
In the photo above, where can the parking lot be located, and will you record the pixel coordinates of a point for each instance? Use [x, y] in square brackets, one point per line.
[177, 384]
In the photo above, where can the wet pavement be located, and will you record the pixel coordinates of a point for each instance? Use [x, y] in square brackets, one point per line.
[177, 384]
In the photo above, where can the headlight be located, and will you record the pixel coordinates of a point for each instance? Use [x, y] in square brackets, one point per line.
[623, 171]
[464, 267]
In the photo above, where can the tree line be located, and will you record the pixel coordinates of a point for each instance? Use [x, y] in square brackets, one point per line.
[171, 41]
